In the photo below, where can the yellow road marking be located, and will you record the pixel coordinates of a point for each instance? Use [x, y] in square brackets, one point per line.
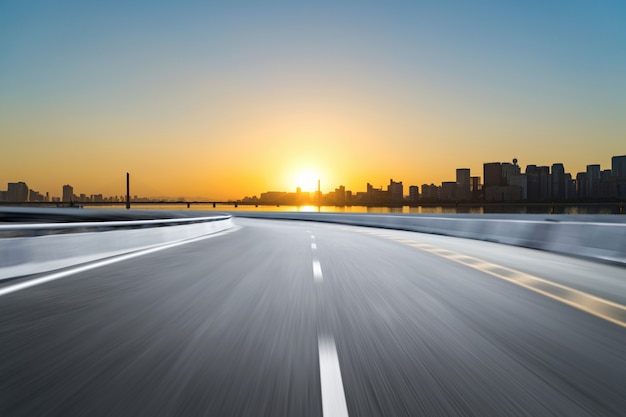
[599, 307]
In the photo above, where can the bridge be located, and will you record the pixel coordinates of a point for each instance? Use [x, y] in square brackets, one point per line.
[307, 314]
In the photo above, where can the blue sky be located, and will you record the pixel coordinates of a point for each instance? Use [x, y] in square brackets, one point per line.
[544, 80]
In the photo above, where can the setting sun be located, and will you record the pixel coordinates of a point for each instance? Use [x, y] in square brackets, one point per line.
[306, 180]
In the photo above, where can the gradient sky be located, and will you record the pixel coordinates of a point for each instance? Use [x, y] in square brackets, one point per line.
[226, 99]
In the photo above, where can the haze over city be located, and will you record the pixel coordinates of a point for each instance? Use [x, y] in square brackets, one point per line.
[226, 100]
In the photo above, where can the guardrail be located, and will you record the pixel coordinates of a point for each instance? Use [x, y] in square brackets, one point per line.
[40, 229]
[35, 248]
[595, 237]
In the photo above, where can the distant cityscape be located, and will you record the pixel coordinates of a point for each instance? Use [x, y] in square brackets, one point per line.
[503, 182]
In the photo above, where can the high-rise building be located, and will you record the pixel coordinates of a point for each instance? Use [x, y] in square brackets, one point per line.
[463, 186]
[545, 185]
[414, 193]
[520, 181]
[17, 192]
[558, 182]
[475, 187]
[492, 173]
[532, 181]
[593, 180]
[618, 166]
[581, 185]
[395, 191]
[68, 193]
[508, 170]
[570, 187]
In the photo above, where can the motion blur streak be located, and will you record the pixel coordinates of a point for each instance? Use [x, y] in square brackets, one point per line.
[232, 326]
[607, 310]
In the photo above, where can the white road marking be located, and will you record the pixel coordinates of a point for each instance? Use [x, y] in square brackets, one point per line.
[312, 236]
[58, 275]
[313, 245]
[333, 396]
[317, 271]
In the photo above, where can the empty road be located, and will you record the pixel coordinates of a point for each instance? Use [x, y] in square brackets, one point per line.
[280, 318]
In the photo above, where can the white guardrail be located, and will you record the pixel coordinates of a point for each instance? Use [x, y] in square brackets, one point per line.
[594, 238]
[35, 248]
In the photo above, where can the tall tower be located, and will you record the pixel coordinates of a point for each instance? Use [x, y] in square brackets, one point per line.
[68, 193]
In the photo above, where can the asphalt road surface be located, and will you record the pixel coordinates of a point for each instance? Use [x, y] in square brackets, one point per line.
[281, 318]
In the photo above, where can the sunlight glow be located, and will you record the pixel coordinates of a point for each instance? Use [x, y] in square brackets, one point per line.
[306, 180]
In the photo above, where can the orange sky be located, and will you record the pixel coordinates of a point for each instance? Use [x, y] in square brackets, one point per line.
[225, 103]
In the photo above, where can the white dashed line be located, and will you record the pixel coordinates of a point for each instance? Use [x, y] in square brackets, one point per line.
[317, 271]
[333, 396]
[313, 245]
[312, 237]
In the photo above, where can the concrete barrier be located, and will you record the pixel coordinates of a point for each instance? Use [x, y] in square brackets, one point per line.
[87, 242]
[595, 237]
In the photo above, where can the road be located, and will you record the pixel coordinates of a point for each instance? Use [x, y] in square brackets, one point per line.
[280, 318]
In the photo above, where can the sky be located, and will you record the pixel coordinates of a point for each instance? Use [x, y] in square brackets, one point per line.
[229, 99]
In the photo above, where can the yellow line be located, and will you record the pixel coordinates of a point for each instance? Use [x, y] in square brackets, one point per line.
[599, 307]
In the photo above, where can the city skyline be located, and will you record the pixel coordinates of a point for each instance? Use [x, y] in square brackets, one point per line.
[237, 98]
[500, 182]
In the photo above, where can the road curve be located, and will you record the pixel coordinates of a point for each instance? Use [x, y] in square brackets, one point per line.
[282, 318]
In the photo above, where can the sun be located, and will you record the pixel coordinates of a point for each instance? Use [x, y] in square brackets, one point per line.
[306, 180]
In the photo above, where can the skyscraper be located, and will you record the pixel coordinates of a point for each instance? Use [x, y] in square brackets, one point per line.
[545, 185]
[593, 180]
[492, 173]
[618, 166]
[68, 193]
[532, 182]
[558, 182]
[581, 185]
[395, 191]
[414, 193]
[463, 190]
[509, 170]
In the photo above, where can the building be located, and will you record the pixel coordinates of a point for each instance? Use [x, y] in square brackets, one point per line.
[340, 196]
[492, 174]
[68, 193]
[570, 187]
[430, 192]
[618, 166]
[376, 196]
[558, 182]
[520, 181]
[274, 197]
[509, 170]
[448, 191]
[414, 193]
[463, 184]
[544, 183]
[475, 188]
[35, 196]
[581, 186]
[532, 182]
[503, 193]
[17, 192]
[395, 191]
[593, 181]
